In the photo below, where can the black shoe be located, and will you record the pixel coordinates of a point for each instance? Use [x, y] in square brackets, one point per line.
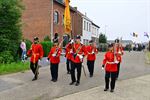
[34, 79]
[77, 84]
[91, 75]
[105, 89]
[54, 80]
[111, 90]
[68, 72]
[72, 83]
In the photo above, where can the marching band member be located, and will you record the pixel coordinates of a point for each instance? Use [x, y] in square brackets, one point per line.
[91, 56]
[110, 66]
[118, 52]
[68, 56]
[36, 53]
[54, 58]
[78, 52]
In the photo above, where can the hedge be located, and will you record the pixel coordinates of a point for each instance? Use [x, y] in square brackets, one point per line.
[47, 45]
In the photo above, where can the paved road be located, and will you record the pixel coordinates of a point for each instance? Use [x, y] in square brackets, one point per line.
[19, 86]
[130, 89]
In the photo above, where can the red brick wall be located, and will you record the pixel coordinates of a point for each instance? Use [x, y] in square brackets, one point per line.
[59, 28]
[36, 18]
[77, 24]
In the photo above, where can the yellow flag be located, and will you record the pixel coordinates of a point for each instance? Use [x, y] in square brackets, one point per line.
[67, 17]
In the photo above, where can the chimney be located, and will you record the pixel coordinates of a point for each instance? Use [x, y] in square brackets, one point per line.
[85, 14]
[76, 8]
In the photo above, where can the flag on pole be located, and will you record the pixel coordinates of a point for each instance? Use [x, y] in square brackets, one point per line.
[135, 34]
[67, 17]
[146, 34]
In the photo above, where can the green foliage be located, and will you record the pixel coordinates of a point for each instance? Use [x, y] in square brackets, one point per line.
[28, 44]
[102, 38]
[103, 47]
[13, 67]
[147, 54]
[47, 45]
[6, 57]
[10, 26]
[47, 38]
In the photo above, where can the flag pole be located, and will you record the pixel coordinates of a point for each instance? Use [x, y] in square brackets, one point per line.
[52, 8]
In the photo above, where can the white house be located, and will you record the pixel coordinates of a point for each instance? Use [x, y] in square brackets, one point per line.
[87, 30]
[95, 32]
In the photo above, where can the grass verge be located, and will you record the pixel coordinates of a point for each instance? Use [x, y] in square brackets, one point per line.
[148, 57]
[13, 68]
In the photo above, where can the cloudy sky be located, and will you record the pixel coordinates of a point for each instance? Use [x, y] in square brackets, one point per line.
[118, 17]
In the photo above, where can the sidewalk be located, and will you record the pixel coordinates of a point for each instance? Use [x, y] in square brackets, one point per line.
[131, 89]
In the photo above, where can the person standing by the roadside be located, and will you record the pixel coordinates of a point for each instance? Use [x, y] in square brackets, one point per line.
[23, 47]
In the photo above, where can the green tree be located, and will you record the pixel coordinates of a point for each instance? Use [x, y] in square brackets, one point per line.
[10, 25]
[102, 38]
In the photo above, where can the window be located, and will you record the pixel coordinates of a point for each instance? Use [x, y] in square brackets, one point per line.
[87, 26]
[63, 20]
[56, 17]
[84, 25]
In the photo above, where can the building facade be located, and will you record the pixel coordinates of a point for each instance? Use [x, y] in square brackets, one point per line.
[42, 19]
[95, 33]
[37, 19]
[86, 30]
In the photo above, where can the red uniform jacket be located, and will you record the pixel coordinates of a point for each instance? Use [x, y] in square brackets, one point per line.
[109, 57]
[36, 52]
[55, 59]
[119, 53]
[82, 51]
[68, 51]
[90, 56]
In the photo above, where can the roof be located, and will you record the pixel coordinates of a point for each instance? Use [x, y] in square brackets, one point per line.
[95, 25]
[123, 41]
[63, 4]
[85, 17]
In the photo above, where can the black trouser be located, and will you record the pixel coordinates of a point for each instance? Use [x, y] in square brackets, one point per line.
[90, 65]
[34, 68]
[77, 66]
[68, 63]
[54, 71]
[118, 69]
[113, 79]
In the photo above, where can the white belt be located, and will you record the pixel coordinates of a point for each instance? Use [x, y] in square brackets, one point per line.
[115, 62]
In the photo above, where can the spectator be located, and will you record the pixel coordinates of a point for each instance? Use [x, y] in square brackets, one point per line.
[23, 47]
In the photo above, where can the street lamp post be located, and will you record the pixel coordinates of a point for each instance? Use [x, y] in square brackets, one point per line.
[105, 28]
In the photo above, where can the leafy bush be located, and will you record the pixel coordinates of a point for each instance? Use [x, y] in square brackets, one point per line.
[6, 57]
[102, 38]
[103, 47]
[47, 38]
[28, 44]
[10, 28]
[47, 45]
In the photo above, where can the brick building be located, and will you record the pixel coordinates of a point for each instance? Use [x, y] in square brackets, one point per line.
[37, 19]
